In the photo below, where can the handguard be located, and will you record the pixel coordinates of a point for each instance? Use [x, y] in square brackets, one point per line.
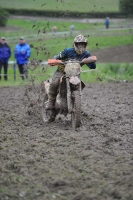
[94, 57]
[54, 62]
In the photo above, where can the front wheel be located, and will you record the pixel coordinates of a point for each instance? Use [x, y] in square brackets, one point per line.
[76, 110]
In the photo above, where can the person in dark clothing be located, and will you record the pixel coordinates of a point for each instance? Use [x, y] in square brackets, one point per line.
[107, 23]
[22, 53]
[79, 52]
[5, 54]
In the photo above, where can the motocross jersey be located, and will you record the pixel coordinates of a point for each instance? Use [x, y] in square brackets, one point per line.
[71, 54]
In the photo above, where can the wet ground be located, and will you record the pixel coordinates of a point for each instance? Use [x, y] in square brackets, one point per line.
[51, 161]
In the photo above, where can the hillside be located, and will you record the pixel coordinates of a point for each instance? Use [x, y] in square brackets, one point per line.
[62, 5]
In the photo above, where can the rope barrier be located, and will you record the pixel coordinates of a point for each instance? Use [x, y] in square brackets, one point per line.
[100, 73]
[88, 71]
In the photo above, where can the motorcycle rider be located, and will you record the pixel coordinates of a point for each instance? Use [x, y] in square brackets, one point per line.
[78, 52]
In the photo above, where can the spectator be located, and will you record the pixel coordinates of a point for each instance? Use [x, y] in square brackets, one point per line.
[5, 54]
[71, 29]
[107, 22]
[22, 54]
[54, 29]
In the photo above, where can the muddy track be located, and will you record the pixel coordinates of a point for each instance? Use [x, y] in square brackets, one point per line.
[45, 162]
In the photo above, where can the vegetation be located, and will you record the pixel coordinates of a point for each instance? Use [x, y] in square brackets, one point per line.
[4, 15]
[104, 72]
[69, 5]
[126, 6]
[48, 46]
[45, 43]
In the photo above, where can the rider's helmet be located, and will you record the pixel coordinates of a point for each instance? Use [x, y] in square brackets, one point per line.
[80, 44]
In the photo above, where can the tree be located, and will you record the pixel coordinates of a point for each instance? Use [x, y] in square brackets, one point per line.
[3, 17]
[126, 6]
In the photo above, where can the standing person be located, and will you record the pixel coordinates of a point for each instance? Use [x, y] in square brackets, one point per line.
[22, 54]
[71, 29]
[5, 54]
[79, 52]
[54, 29]
[107, 22]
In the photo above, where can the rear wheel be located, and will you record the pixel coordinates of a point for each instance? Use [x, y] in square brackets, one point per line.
[47, 115]
[76, 110]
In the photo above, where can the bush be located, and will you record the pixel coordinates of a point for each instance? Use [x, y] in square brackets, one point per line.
[4, 15]
[57, 13]
[126, 6]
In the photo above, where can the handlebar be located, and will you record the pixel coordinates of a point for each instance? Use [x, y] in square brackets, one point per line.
[53, 62]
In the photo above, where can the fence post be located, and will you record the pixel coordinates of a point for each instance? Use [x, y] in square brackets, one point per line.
[14, 70]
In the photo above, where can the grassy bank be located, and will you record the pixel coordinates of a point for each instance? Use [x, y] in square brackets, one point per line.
[45, 44]
[48, 46]
[69, 5]
[104, 72]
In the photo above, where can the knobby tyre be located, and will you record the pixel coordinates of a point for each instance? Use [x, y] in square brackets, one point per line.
[76, 113]
[44, 112]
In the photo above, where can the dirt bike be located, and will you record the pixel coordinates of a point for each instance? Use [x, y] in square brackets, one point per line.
[69, 89]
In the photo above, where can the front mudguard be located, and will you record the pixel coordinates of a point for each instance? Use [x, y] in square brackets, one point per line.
[74, 80]
[74, 83]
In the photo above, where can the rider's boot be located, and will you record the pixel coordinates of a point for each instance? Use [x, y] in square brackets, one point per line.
[52, 94]
[51, 102]
[50, 108]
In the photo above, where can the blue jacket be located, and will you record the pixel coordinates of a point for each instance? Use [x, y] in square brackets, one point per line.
[22, 53]
[70, 53]
[5, 52]
[107, 22]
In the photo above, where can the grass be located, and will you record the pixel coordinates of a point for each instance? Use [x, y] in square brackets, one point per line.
[52, 44]
[35, 28]
[104, 72]
[30, 27]
[47, 24]
[108, 72]
[60, 5]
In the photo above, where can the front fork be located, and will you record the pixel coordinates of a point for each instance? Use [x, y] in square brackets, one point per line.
[69, 100]
[69, 95]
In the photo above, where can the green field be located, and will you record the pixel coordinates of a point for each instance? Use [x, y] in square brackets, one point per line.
[60, 5]
[54, 43]
[104, 72]
[46, 45]
[53, 47]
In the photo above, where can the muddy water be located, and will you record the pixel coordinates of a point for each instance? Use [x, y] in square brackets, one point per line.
[51, 161]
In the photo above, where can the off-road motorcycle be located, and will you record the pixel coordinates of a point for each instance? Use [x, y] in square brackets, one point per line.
[69, 89]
